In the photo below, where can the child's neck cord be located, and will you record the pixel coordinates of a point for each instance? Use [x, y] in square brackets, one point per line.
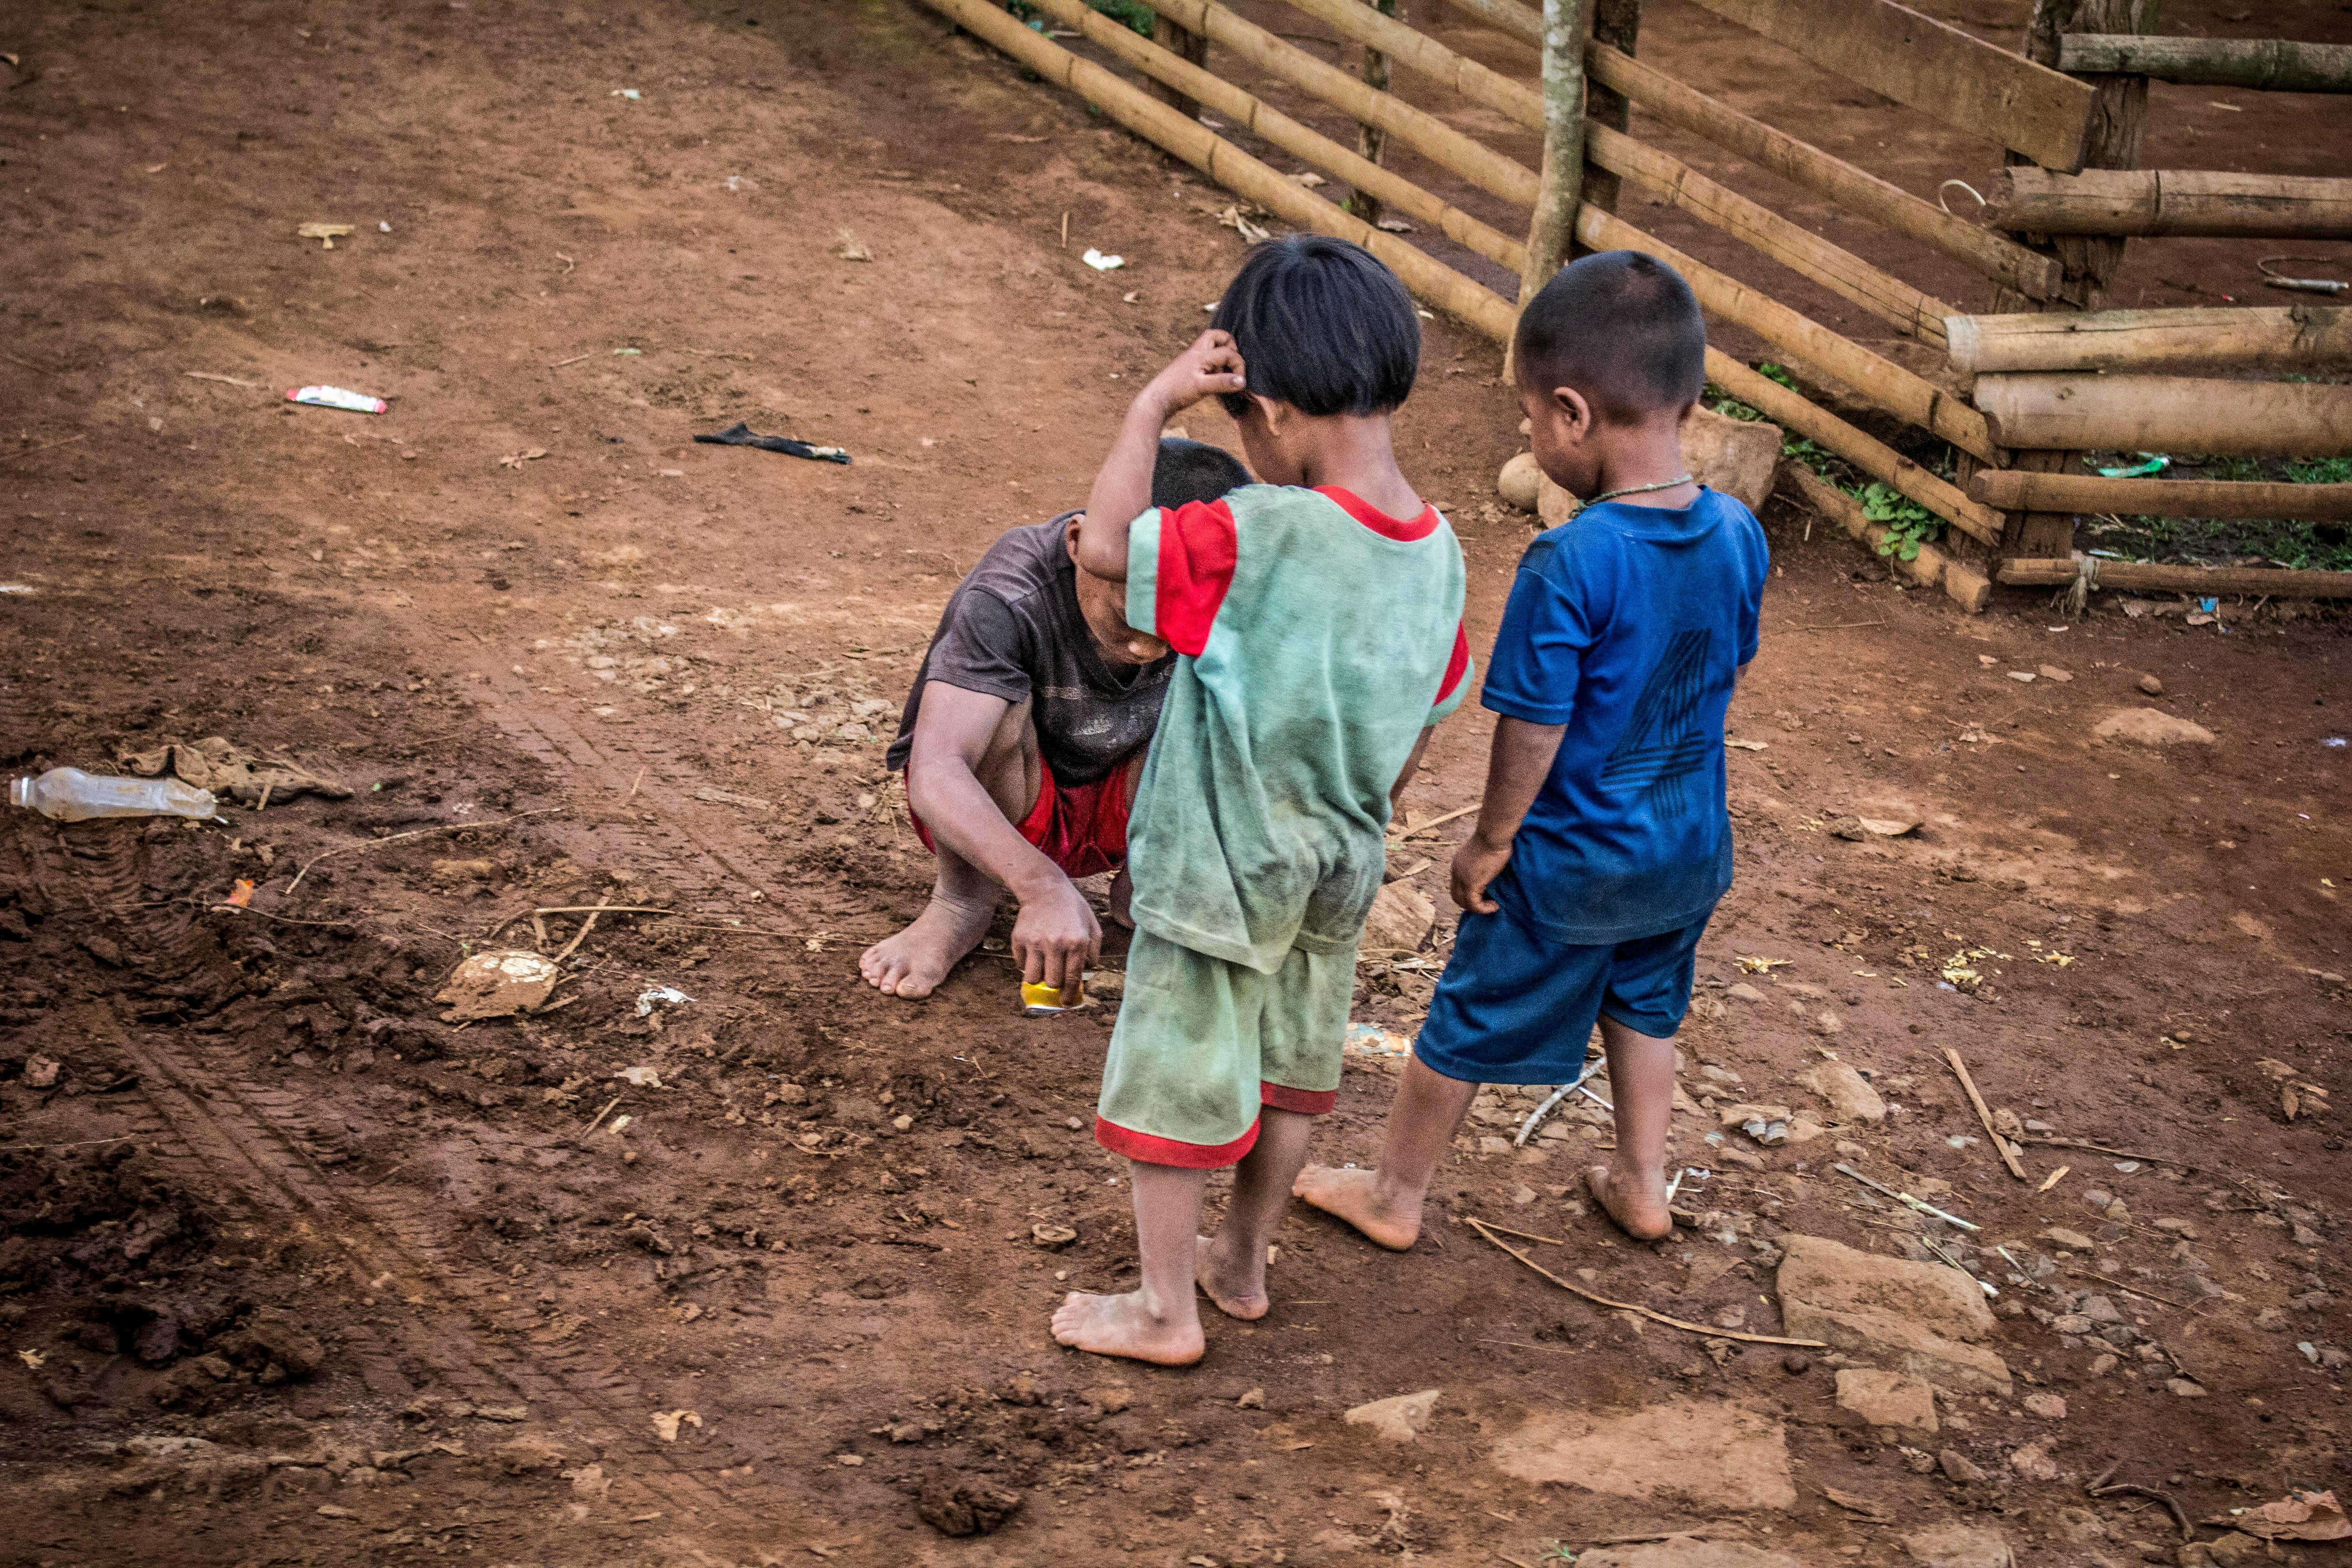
[1639, 490]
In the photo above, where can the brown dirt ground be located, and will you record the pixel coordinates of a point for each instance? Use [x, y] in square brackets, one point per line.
[296, 1272]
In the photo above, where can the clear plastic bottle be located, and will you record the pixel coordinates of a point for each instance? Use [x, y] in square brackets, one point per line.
[69, 794]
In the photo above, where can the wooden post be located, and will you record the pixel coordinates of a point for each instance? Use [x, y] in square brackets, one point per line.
[2089, 261]
[1187, 44]
[1371, 141]
[1559, 187]
[1616, 25]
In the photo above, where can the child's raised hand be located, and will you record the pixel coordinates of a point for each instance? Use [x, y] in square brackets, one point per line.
[1211, 365]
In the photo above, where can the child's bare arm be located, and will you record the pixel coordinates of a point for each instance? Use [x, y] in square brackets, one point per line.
[1122, 490]
[1055, 936]
[1516, 772]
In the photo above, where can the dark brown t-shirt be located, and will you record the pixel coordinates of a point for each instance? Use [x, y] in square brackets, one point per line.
[1012, 629]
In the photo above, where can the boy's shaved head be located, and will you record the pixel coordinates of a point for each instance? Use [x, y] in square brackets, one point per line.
[1189, 470]
[1619, 327]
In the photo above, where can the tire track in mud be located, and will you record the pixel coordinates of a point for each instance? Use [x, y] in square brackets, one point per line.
[251, 1148]
[705, 864]
[207, 1127]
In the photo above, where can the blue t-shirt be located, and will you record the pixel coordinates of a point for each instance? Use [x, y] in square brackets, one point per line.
[1628, 625]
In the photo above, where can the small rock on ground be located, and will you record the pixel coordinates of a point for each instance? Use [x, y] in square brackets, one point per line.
[1958, 1546]
[1399, 1419]
[1887, 1398]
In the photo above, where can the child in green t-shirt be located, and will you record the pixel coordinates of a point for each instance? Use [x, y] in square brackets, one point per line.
[1317, 621]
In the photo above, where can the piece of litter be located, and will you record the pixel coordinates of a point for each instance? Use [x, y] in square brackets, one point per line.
[28, 588]
[384, 228]
[1101, 263]
[632, 94]
[240, 894]
[619, 353]
[325, 234]
[33, 1359]
[848, 248]
[669, 996]
[2149, 463]
[741, 435]
[644, 1077]
[1394, 225]
[497, 984]
[666, 1423]
[2023, 676]
[337, 397]
[1749, 745]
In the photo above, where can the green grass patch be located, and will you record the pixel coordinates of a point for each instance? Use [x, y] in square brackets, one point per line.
[1908, 524]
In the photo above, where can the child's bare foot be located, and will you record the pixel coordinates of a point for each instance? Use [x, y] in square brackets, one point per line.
[1238, 1290]
[1122, 1325]
[913, 963]
[1638, 1205]
[1122, 895]
[1354, 1197]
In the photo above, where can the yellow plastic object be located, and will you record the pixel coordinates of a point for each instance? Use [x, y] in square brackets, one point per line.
[1044, 1000]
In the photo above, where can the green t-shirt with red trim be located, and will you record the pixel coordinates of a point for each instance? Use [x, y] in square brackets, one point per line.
[1316, 639]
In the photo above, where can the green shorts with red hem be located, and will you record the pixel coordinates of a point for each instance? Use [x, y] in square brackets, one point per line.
[1202, 1043]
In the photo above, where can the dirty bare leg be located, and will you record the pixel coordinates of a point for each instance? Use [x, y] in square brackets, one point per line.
[1385, 1202]
[963, 897]
[1232, 1264]
[1633, 1186]
[1160, 1321]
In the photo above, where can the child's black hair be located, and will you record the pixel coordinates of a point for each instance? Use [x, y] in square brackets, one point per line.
[1193, 470]
[1322, 326]
[1622, 328]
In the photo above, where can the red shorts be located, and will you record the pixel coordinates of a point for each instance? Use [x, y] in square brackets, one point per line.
[1082, 828]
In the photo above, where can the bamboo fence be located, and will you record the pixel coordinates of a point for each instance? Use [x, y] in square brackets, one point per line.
[2026, 387]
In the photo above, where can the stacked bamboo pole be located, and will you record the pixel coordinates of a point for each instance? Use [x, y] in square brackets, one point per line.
[2016, 490]
[2148, 576]
[2274, 65]
[2171, 202]
[2293, 337]
[1182, 76]
[2055, 411]
[1227, 164]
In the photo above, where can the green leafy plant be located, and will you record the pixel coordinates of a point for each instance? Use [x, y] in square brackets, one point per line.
[2321, 471]
[1909, 525]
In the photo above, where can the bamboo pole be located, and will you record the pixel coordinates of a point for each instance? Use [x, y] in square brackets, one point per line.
[1559, 188]
[1794, 411]
[1433, 280]
[2293, 337]
[1881, 380]
[2147, 576]
[1300, 141]
[1991, 255]
[2015, 490]
[1618, 25]
[2171, 202]
[2055, 410]
[2274, 65]
[1424, 132]
[1839, 270]
[2001, 1145]
[1927, 568]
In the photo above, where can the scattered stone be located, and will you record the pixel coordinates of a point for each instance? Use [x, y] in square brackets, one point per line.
[1253, 1400]
[1743, 992]
[1400, 1418]
[2185, 1388]
[957, 1507]
[1114, 1398]
[1650, 1453]
[1958, 1546]
[2149, 726]
[1519, 482]
[1401, 920]
[1887, 1398]
[1958, 1467]
[2151, 685]
[2072, 1240]
[2048, 1406]
[2033, 1461]
[1846, 1092]
[1737, 457]
[1921, 1318]
[1795, 1363]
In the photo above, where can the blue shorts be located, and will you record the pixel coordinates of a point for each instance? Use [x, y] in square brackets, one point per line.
[1517, 1008]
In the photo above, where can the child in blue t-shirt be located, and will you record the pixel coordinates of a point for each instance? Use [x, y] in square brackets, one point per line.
[1604, 841]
